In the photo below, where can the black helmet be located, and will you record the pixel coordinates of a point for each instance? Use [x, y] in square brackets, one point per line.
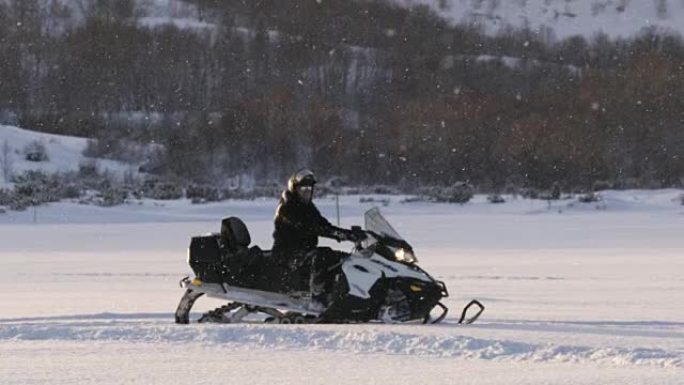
[303, 177]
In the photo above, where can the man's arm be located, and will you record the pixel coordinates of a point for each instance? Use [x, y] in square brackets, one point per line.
[285, 219]
[328, 230]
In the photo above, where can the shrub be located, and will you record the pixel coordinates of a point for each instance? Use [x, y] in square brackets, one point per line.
[512, 190]
[70, 191]
[382, 201]
[600, 185]
[92, 149]
[323, 190]
[156, 163]
[335, 183]
[460, 192]
[88, 169]
[199, 194]
[35, 188]
[555, 191]
[20, 203]
[236, 194]
[129, 177]
[35, 152]
[112, 197]
[627, 184]
[530, 193]
[382, 189]
[161, 190]
[413, 199]
[38, 187]
[552, 195]
[5, 197]
[271, 190]
[590, 197]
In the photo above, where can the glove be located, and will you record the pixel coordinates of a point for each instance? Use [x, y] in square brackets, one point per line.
[356, 235]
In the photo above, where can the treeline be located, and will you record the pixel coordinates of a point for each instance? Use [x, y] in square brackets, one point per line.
[365, 90]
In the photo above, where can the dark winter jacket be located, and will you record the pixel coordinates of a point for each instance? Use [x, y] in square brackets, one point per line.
[298, 226]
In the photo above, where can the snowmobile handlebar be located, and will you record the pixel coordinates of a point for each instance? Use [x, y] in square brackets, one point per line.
[361, 235]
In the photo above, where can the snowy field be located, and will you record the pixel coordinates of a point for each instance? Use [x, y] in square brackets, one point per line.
[575, 294]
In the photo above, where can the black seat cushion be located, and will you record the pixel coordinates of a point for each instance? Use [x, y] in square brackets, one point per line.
[234, 234]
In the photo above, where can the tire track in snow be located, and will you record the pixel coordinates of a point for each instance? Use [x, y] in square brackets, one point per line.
[347, 338]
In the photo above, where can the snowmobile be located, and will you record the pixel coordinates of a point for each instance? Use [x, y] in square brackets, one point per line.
[379, 281]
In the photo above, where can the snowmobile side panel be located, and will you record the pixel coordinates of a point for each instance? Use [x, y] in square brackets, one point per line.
[367, 271]
[290, 302]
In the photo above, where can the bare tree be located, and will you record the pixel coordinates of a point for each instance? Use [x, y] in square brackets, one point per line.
[6, 160]
[661, 8]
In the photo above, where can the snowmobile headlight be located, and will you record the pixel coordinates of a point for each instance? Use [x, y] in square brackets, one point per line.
[407, 256]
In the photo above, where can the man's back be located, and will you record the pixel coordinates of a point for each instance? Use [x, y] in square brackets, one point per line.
[297, 225]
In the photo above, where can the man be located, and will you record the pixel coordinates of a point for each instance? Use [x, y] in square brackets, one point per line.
[298, 224]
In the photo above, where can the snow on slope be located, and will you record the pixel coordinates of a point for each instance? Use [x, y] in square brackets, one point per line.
[616, 18]
[564, 18]
[65, 153]
[171, 12]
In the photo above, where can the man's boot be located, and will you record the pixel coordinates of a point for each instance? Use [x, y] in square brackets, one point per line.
[319, 298]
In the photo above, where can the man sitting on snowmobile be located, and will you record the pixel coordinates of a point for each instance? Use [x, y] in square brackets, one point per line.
[298, 224]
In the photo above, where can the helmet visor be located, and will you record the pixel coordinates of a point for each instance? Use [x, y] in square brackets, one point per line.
[305, 193]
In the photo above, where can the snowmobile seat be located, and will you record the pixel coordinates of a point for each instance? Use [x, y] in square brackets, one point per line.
[227, 257]
[234, 235]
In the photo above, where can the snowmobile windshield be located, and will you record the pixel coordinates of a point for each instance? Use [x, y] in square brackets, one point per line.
[374, 221]
[396, 248]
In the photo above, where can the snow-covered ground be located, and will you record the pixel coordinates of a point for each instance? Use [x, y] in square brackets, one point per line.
[575, 293]
[65, 153]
